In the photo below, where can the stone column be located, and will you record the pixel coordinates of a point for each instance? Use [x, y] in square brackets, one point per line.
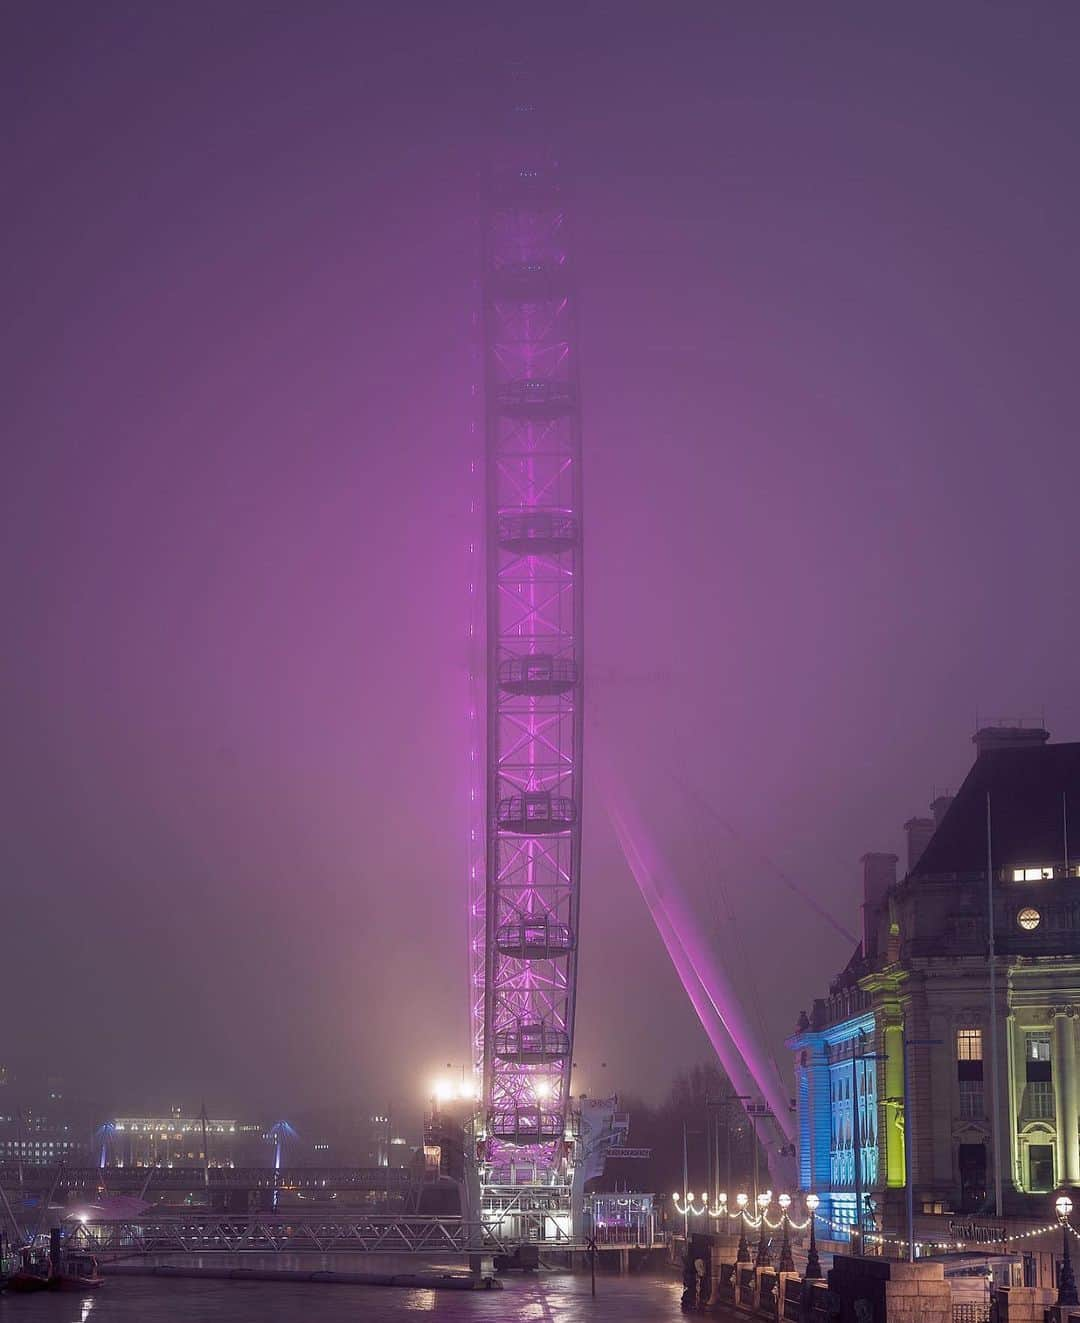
[1067, 1126]
[891, 1135]
[935, 1112]
[1062, 1058]
[1018, 1085]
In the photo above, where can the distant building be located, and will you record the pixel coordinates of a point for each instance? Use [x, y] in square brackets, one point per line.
[172, 1141]
[922, 969]
[41, 1138]
[45, 1128]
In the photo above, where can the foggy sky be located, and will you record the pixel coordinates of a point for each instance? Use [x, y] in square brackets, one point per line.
[829, 283]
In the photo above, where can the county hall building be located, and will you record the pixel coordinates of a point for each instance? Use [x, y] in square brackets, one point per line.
[923, 967]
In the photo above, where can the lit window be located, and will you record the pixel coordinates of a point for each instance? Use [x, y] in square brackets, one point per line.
[1037, 1046]
[1029, 919]
[969, 1045]
[1032, 874]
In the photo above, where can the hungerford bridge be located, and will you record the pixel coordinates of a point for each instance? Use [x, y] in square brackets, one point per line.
[526, 1148]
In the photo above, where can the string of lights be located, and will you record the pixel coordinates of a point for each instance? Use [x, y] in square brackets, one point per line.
[922, 1245]
[685, 1205]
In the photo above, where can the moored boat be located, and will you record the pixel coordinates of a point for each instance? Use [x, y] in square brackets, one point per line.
[34, 1271]
[77, 1272]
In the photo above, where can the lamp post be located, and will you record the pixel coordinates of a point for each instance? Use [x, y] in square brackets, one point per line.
[762, 1259]
[686, 1187]
[787, 1263]
[813, 1263]
[713, 1105]
[1066, 1281]
[743, 1253]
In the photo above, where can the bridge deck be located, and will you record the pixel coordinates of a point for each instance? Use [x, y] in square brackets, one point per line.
[283, 1233]
[130, 1180]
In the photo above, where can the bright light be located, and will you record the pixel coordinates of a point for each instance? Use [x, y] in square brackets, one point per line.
[442, 1091]
[721, 1198]
[704, 1198]
[676, 1195]
[812, 1202]
[784, 1201]
[1064, 1205]
[469, 1089]
[763, 1200]
[742, 1200]
[543, 1089]
[83, 1218]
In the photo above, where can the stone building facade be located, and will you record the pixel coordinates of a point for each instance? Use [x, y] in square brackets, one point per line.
[922, 970]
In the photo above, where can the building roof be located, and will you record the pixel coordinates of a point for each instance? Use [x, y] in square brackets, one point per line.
[1026, 785]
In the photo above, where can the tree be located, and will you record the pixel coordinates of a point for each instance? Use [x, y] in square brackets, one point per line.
[694, 1099]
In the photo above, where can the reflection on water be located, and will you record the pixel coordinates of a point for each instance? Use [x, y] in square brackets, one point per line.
[418, 1302]
[545, 1298]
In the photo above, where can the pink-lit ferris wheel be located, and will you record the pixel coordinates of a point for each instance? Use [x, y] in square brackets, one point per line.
[525, 907]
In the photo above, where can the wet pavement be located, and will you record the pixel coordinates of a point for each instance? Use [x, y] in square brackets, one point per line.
[546, 1297]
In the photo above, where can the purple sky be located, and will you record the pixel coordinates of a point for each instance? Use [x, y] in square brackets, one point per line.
[829, 292]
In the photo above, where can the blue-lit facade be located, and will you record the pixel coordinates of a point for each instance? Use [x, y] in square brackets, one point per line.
[836, 1070]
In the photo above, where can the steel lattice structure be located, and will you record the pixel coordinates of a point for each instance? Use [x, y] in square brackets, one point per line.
[197, 1232]
[523, 1027]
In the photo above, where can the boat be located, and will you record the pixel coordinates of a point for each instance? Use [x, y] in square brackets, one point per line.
[34, 1271]
[8, 1261]
[77, 1272]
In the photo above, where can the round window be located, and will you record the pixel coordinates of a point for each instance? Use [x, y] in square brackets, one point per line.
[1029, 919]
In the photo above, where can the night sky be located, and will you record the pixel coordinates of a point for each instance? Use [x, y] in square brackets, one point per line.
[829, 339]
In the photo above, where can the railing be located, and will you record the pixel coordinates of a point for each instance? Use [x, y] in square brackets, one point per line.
[127, 1179]
[532, 939]
[281, 1234]
[535, 812]
[532, 1043]
[527, 1125]
[840, 1005]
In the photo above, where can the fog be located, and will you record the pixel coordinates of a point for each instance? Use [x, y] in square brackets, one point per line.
[828, 287]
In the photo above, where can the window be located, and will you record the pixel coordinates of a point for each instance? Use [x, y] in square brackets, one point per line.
[1039, 1100]
[971, 1098]
[1032, 874]
[969, 1044]
[1029, 919]
[1038, 1069]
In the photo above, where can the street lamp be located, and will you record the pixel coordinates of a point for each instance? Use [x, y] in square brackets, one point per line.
[763, 1259]
[787, 1263]
[743, 1253]
[813, 1263]
[1066, 1281]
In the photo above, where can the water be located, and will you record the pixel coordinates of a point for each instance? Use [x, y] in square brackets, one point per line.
[545, 1297]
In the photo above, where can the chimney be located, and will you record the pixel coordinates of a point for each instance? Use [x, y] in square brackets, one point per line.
[1009, 737]
[940, 806]
[919, 831]
[879, 874]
